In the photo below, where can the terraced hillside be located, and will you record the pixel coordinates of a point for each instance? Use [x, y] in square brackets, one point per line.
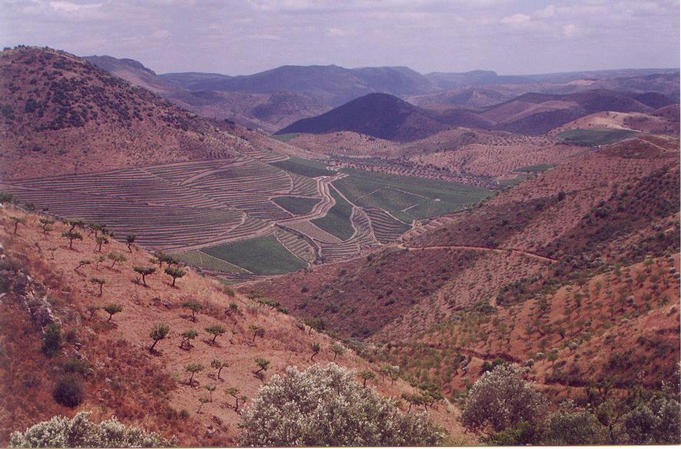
[200, 210]
[571, 273]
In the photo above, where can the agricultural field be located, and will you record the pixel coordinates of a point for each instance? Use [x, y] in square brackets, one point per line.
[304, 167]
[534, 168]
[337, 220]
[262, 255]
[593, 137]
[297, 205]
[408, 198]
[258, 214]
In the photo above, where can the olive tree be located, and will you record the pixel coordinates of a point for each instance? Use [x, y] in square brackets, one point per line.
[218, 365]
[101, 240]
[144, 272]
[60, 431]
[72, 235]
[257, 332]
[194, 306]
[46, 224]
[234, 392]
[262, 364]
[112, 309]
[130, 240]
[315, 347]
[192, 369]
[338, 350]
[100, 282]
[501, 399]
[116, 257]
[17, 221]
[187, 337]
[158, 333]
[215, 331]
[175, 273]
[294, 410]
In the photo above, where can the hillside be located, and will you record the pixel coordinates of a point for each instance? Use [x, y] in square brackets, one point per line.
[512, 278]
[267, 111]
[379, 115]
[44, 281]
[61, 114]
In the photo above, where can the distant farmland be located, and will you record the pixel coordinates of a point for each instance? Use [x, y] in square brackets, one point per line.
[593, 137]
[405, 197]
[259, 214]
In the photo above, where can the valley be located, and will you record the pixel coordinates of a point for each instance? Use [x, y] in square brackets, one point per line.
[425, 231]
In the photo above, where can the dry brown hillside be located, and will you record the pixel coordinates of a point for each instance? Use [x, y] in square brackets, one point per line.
[61, 114]
[43, 281]
[576, 255]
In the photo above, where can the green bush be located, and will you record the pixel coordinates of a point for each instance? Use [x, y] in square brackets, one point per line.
[295, 410]
[52, 339]
[500, 399]
[81, 432]
[69, 391]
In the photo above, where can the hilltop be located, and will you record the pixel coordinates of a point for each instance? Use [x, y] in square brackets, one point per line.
[268, 111]
[61, 114]
[378, 115]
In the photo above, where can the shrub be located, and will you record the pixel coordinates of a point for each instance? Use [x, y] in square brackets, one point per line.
[52, 339]
[81, 432]
[569, 426]
[501, 399]
[69, 391]
[294, 410]
[654, 422]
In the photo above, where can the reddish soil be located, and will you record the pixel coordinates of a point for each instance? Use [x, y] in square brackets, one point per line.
[139, 387]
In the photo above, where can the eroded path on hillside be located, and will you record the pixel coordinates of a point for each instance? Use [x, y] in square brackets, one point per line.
[479, 248]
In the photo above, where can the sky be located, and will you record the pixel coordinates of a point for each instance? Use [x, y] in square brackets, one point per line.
[238, 37]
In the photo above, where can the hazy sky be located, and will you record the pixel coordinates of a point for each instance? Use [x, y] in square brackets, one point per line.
[246, 36]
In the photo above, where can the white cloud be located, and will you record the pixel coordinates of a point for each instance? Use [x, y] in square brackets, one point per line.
[570, 30]
[516, 19]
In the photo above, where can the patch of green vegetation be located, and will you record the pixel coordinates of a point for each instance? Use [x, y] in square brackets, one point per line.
[534, 168]
[285, 137]
[304, 167]
[592, 137]
[296, 205]
[408, 197]
[510, 182]
[337, 220]
[200, 259]
[262, 255]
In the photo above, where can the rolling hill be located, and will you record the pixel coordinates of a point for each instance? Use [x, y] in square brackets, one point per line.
[267, 111]
[380, 115]
[61, 114]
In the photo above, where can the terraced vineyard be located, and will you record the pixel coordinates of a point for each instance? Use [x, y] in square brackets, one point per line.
[258, 214]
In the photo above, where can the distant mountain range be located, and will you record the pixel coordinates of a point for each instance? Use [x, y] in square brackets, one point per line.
[388, 117]
[274, 99]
